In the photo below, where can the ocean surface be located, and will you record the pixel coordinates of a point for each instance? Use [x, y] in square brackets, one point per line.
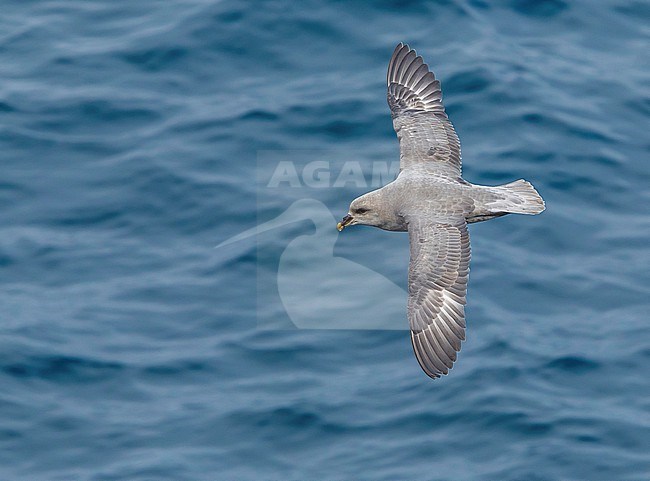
[137, 136]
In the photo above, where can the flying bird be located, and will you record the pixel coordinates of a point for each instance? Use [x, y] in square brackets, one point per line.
[432, 202]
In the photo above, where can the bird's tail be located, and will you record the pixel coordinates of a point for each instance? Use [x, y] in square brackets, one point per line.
[518, 197]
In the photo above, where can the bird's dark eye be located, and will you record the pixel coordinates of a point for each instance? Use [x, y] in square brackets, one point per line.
[360, 210]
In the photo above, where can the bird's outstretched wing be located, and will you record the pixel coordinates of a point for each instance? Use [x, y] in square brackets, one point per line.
[425, 133]
[438, 273]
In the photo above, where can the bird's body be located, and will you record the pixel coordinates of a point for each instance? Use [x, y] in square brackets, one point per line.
[431, 201]
[416, 190]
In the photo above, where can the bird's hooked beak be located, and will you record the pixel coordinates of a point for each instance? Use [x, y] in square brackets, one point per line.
[344, 222]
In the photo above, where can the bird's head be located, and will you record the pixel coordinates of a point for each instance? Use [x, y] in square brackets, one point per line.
[362, 211]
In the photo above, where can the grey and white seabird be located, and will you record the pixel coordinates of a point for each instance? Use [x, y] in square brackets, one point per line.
[432, 202]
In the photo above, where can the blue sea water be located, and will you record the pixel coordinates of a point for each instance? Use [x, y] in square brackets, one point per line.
[131, 136]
